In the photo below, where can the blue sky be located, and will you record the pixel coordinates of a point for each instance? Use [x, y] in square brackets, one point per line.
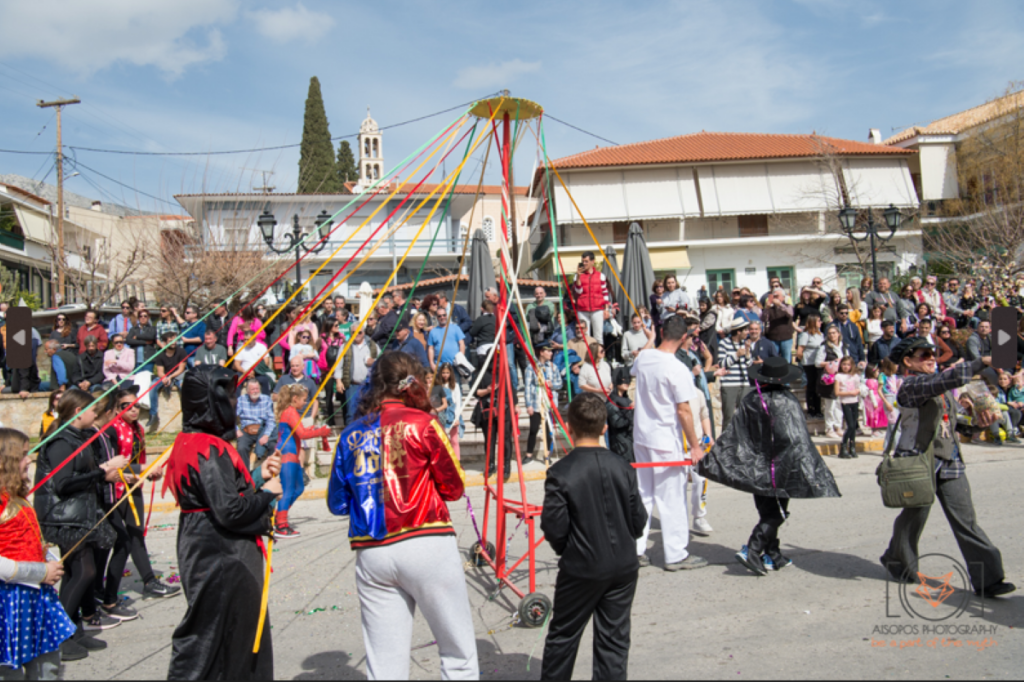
[200, 75]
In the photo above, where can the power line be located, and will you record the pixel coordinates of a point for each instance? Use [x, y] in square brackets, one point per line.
[585, 132]
[78, 164]
[21, 151]
[267, 149]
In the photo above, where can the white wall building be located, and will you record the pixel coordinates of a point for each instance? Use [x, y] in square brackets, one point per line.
[734, 209]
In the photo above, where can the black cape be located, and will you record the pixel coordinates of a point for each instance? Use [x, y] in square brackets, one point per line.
[220, 562]
[742, 457]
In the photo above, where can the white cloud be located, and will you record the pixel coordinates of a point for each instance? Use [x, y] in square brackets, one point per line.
[493, 75]
[86, 36]
[292, 24]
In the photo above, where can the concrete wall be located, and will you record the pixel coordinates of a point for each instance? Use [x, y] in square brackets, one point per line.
[26, 415]
[938, 172]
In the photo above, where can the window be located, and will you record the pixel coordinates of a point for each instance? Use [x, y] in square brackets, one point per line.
[849, 276]
[488, 227]
[753, 225]
[721, 278]
[620, 230]
[785, 274]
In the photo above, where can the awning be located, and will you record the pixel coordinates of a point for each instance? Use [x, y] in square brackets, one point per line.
[663, 258]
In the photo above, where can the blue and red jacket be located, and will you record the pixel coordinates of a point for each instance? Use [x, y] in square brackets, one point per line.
[393, 473]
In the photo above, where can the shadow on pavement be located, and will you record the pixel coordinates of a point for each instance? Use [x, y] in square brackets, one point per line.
[837, 565]
[1005, 611]
[330, 665]
[495, 665]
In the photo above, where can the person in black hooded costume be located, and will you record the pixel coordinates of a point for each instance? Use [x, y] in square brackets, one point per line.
[766, 450]
[220, 545]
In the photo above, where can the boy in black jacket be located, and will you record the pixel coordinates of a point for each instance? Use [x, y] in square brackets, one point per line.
[592, 517]
[620, 416]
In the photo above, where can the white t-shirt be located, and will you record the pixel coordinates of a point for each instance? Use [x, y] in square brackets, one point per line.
[247, 357]
[662, 382]
[588, 377]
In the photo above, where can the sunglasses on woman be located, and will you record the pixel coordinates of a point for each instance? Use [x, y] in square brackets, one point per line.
[125, 406]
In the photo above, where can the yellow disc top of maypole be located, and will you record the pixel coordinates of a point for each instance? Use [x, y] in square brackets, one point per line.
[515, 107]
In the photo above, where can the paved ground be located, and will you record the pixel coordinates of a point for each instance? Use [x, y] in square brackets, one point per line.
[817, 619]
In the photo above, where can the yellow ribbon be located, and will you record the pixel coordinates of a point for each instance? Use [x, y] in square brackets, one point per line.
[266, 590]
[131, 502]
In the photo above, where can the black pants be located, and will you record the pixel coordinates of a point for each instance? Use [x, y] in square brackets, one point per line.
[130, 541]
[76, 587]
[812, 373]
[983, 559]
[492, 447]
[851, 415]
[764, 539]
[531, 439]
[610, 602]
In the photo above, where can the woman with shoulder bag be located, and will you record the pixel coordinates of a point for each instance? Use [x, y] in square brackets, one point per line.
[827, 361]
[809, 345]
[68, 506]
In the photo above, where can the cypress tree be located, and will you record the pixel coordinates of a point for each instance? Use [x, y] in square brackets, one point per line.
[347, 171]
[316, 158]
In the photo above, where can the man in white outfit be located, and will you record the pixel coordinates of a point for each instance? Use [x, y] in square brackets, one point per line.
[664, 389]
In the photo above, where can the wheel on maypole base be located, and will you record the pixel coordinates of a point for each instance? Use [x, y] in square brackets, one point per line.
[475, 556]
[534, 609]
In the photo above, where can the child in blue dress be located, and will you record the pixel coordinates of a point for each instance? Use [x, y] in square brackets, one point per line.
[33, 624]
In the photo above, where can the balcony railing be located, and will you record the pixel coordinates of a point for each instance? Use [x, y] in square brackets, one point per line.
[443, 246]
[12, 240]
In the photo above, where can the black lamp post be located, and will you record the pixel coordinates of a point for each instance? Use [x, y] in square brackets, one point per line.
[893, 218]
[268, 222]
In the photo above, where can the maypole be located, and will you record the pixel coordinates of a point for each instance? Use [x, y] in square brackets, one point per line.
[534, 607]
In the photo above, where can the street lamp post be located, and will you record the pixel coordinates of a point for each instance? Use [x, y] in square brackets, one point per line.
[267, 222]
[893, 218]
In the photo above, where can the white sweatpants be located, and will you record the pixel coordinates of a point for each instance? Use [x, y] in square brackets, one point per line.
[666, 488]
[696, 493]
[833, 415]
[595, 323]
[394, 580]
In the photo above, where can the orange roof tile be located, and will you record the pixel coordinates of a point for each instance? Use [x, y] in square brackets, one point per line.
[35, 197]
[957, 123]
[704, 146]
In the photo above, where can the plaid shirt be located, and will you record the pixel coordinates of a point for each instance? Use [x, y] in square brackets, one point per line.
[164, 327]
[259, 412]
[917, 389]
[552, 377]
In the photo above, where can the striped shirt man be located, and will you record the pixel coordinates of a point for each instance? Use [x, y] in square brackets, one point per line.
[737, 366]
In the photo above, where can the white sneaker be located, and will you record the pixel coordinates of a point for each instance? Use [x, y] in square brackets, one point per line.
[833, 434]
[702, 527]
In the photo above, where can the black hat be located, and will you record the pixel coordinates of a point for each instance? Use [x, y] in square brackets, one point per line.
[541, 345]
[207, 394]
[776, 371]
[621, 375]
[906, 348]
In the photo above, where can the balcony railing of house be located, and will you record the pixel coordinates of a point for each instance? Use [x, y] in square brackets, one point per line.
[443, 246]
[12, 240]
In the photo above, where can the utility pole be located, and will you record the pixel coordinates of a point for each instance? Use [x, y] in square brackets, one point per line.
[59, 104]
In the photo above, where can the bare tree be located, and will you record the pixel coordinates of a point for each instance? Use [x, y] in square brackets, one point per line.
[986, 236]
[105, 266]
[207, 272]
[835, 193]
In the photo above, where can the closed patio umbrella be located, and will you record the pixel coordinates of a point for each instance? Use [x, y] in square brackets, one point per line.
[481, 272]
[637, 273]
